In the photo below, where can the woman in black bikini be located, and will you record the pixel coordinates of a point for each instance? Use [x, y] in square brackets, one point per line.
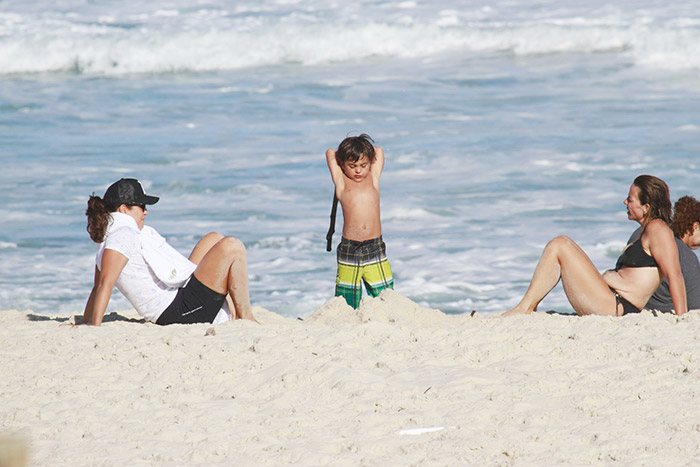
[641, 267]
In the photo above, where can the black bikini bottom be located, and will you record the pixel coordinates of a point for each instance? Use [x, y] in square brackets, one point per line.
[627, 307]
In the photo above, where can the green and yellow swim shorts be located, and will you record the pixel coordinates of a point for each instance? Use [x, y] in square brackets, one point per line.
[362, 262]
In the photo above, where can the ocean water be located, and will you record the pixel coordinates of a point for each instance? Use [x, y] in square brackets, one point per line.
[504, 124]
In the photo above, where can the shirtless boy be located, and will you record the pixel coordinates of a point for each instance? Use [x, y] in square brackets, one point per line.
[355, 168]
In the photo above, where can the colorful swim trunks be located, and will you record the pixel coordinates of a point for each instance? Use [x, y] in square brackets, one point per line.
[362, 262]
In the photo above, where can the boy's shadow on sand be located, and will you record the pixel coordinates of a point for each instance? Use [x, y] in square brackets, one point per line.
[111, 317]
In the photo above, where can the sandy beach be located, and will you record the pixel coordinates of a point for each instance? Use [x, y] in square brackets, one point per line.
[389, 384]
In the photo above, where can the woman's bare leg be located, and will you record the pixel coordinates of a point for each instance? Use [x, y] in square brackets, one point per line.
[202, 248]
[204, 245]
[224, 269]
[585, 288]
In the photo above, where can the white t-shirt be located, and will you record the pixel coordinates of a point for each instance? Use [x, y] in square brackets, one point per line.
[137, 282]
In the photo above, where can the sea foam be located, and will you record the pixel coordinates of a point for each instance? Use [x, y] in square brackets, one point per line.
[204, 40]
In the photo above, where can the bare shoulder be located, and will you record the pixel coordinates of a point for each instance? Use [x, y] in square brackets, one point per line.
[657, 235]
[657, 227]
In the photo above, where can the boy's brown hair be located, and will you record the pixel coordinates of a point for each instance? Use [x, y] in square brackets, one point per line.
[354, 147]
[686, 212]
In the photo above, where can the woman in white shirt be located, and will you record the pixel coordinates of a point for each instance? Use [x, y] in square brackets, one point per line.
[162, 285]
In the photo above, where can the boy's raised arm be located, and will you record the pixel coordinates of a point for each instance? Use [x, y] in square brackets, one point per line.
[336, 171]
[378, 165]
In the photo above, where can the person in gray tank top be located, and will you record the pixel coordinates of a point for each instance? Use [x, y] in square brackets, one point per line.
[686, 228]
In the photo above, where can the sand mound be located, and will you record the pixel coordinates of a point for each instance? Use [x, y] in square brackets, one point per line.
[389, 307]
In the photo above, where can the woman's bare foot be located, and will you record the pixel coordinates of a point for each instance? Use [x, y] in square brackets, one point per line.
[515, 311]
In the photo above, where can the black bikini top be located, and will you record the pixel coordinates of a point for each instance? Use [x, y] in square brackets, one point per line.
[634, 256]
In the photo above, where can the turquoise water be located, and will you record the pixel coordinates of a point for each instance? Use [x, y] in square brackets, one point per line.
[502, 127]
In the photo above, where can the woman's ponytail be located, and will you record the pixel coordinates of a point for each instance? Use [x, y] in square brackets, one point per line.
[98, 218]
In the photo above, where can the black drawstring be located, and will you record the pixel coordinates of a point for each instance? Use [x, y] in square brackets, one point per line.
[331, 229]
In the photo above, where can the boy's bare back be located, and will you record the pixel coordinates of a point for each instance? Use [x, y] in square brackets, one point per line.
[357, 189]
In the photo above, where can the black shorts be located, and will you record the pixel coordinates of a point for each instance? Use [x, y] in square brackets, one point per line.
[194, 303]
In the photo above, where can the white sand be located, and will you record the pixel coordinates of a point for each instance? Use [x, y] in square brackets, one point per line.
[389, 384]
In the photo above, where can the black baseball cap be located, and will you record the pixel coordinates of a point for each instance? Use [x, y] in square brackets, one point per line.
[127, 191]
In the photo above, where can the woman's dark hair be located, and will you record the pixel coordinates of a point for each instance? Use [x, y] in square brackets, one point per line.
[98, 218]
[354, 147]
[654, 192]
[686, 212]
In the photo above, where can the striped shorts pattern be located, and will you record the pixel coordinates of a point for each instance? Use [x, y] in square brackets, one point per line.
[362, 262]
